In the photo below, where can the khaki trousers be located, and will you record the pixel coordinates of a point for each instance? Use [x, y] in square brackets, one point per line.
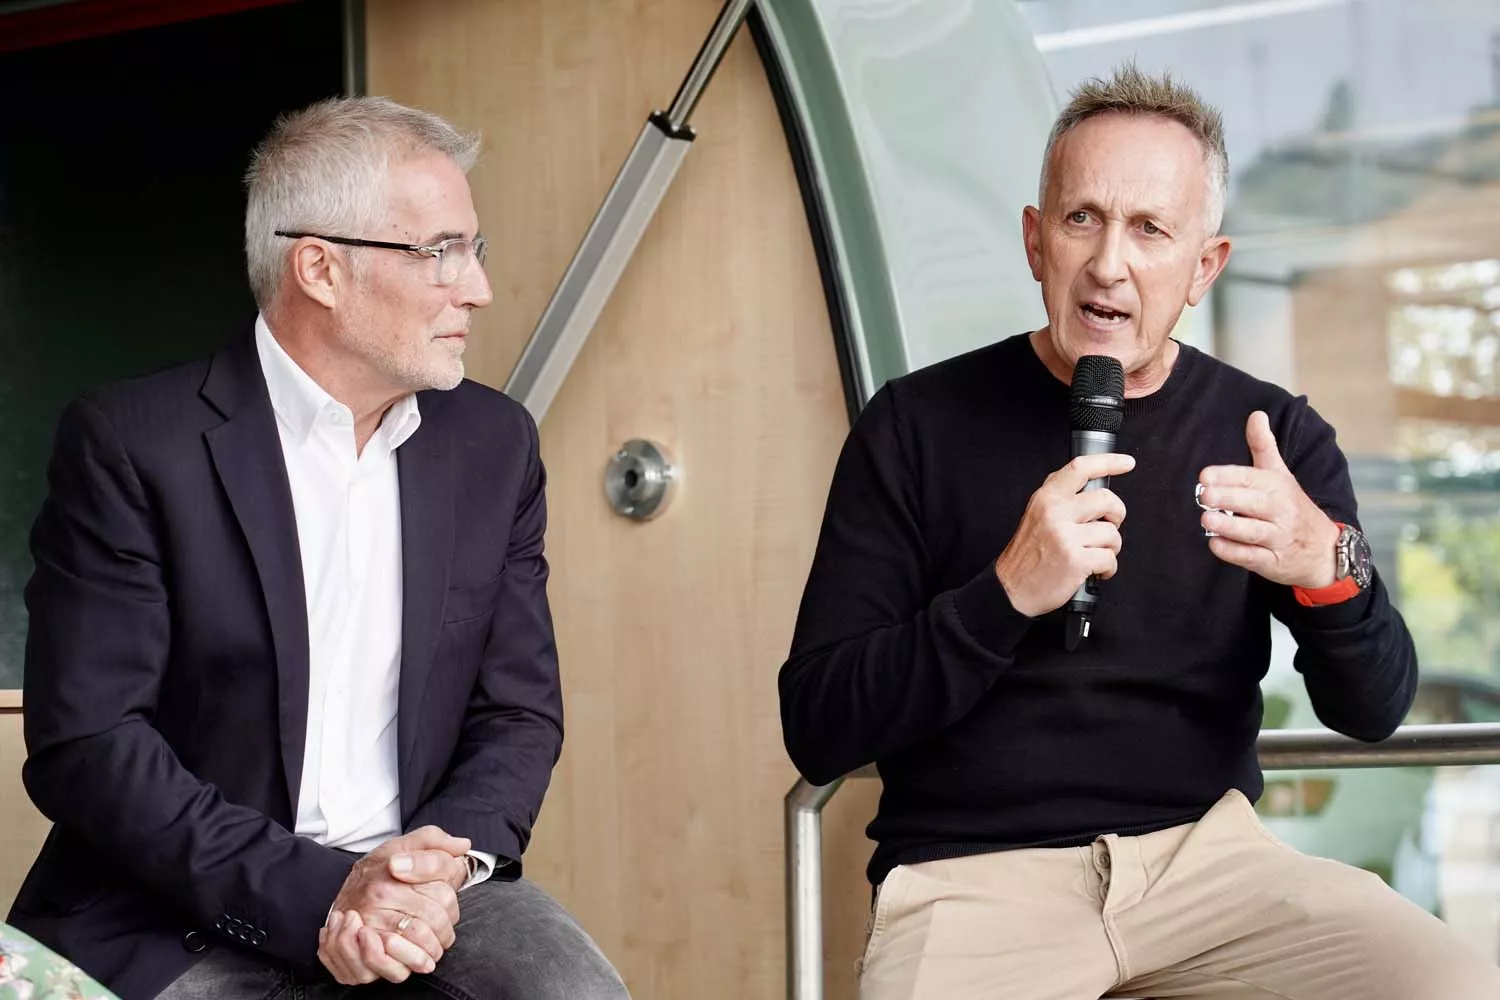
[1218, 909]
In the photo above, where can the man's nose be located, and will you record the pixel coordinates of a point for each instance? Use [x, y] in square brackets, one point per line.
[476, 287]
[1109, 266]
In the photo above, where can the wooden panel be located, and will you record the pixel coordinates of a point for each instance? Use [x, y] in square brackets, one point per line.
[1342, 356]
[663, 829]
[1414, 404]
[22, 828]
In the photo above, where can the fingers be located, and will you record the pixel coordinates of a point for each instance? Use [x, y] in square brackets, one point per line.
[413, 928]
[1255, 558]
[419, 934]
[1239, 476]
[1267, 466]
[325, 948]
[427, 838]
[338, 949]
[1099, 535]
[1245, 530]
[1262, 442]
[425, 903]
[1101, 562]
[1097, 505]
[426, 866]
[1246, 501]
[406, 951]
[1075, 475]
[442, 895]
[373, 954]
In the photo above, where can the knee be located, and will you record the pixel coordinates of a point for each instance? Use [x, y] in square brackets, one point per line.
[612, 988]
[583, 975]
[563, 965]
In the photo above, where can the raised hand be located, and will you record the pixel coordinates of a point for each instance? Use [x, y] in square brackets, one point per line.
[1277, 531]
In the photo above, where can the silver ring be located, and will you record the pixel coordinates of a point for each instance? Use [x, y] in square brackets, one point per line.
[1198, 499]
[403, 924]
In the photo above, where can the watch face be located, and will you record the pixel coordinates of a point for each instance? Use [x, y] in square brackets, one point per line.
[1360, 565]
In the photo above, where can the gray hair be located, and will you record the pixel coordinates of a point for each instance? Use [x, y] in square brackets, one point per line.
[1131, 92]
[323, 169]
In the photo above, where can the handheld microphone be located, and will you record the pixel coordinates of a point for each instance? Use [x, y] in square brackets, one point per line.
[1096, 409]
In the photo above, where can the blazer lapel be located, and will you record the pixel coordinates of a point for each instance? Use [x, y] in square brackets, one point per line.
[246, 452]
[425, 470]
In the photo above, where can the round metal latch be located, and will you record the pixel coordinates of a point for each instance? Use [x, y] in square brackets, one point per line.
[638, 480]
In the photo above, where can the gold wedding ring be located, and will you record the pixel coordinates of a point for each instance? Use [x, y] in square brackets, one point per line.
[403, 923]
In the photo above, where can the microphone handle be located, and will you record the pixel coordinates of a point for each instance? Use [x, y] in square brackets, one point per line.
[1080, 607]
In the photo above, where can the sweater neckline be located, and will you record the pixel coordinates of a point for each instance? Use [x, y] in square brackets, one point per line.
[1187, 359]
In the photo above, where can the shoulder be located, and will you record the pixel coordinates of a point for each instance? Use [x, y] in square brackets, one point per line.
[470, 399]
[156, 407]
[977, 372]
[1237, 393]
[964, 386]
[168, 389]
[481, 419]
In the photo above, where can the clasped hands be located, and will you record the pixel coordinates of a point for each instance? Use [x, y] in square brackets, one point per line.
[1066, 536]
[397, 910]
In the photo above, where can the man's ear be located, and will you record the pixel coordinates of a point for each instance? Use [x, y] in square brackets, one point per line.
[317, 271]
[1210, 265]
[1031, 229]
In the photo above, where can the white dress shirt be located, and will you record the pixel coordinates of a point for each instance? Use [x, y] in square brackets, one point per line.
[348, 513]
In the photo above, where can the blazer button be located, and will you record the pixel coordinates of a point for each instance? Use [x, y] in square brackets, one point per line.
[258, 939]
[194, 941]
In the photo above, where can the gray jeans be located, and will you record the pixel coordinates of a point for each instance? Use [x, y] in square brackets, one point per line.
[515, 942]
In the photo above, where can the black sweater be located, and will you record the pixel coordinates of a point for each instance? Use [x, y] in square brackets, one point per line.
[989, 735]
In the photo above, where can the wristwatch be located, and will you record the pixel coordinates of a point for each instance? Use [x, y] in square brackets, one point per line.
[1352, 553]
[1352, 571]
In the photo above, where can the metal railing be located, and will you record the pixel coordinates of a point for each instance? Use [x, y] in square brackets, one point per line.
[1278, 749]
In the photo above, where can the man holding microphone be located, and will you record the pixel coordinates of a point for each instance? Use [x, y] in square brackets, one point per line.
[1073, 823]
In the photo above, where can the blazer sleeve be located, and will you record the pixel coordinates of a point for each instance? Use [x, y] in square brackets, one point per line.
[96, 654]
[513, 726]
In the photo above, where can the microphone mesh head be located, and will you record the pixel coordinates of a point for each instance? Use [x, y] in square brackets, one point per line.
[1096, 399]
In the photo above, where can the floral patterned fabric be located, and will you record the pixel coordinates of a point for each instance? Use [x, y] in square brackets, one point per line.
[30, 971]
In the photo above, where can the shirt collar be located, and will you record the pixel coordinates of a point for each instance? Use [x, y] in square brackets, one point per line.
[401, 421]
[297, 400]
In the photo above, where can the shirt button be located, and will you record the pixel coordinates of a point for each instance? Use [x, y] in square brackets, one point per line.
[194, 942]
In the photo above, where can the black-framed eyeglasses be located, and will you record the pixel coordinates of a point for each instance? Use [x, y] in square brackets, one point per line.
[452, 256]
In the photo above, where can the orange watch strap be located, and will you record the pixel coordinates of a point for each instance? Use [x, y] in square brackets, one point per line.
[1336, 592]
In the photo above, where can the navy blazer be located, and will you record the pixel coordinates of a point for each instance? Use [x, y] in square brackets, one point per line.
[167, 666]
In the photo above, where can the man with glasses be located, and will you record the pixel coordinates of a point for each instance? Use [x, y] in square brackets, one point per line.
[292, 697]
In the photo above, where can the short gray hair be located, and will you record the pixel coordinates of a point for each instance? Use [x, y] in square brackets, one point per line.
[323, 169]
[1129, 91]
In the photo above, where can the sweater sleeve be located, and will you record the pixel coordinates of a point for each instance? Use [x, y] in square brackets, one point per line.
[1357, 657]
[880, 662]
